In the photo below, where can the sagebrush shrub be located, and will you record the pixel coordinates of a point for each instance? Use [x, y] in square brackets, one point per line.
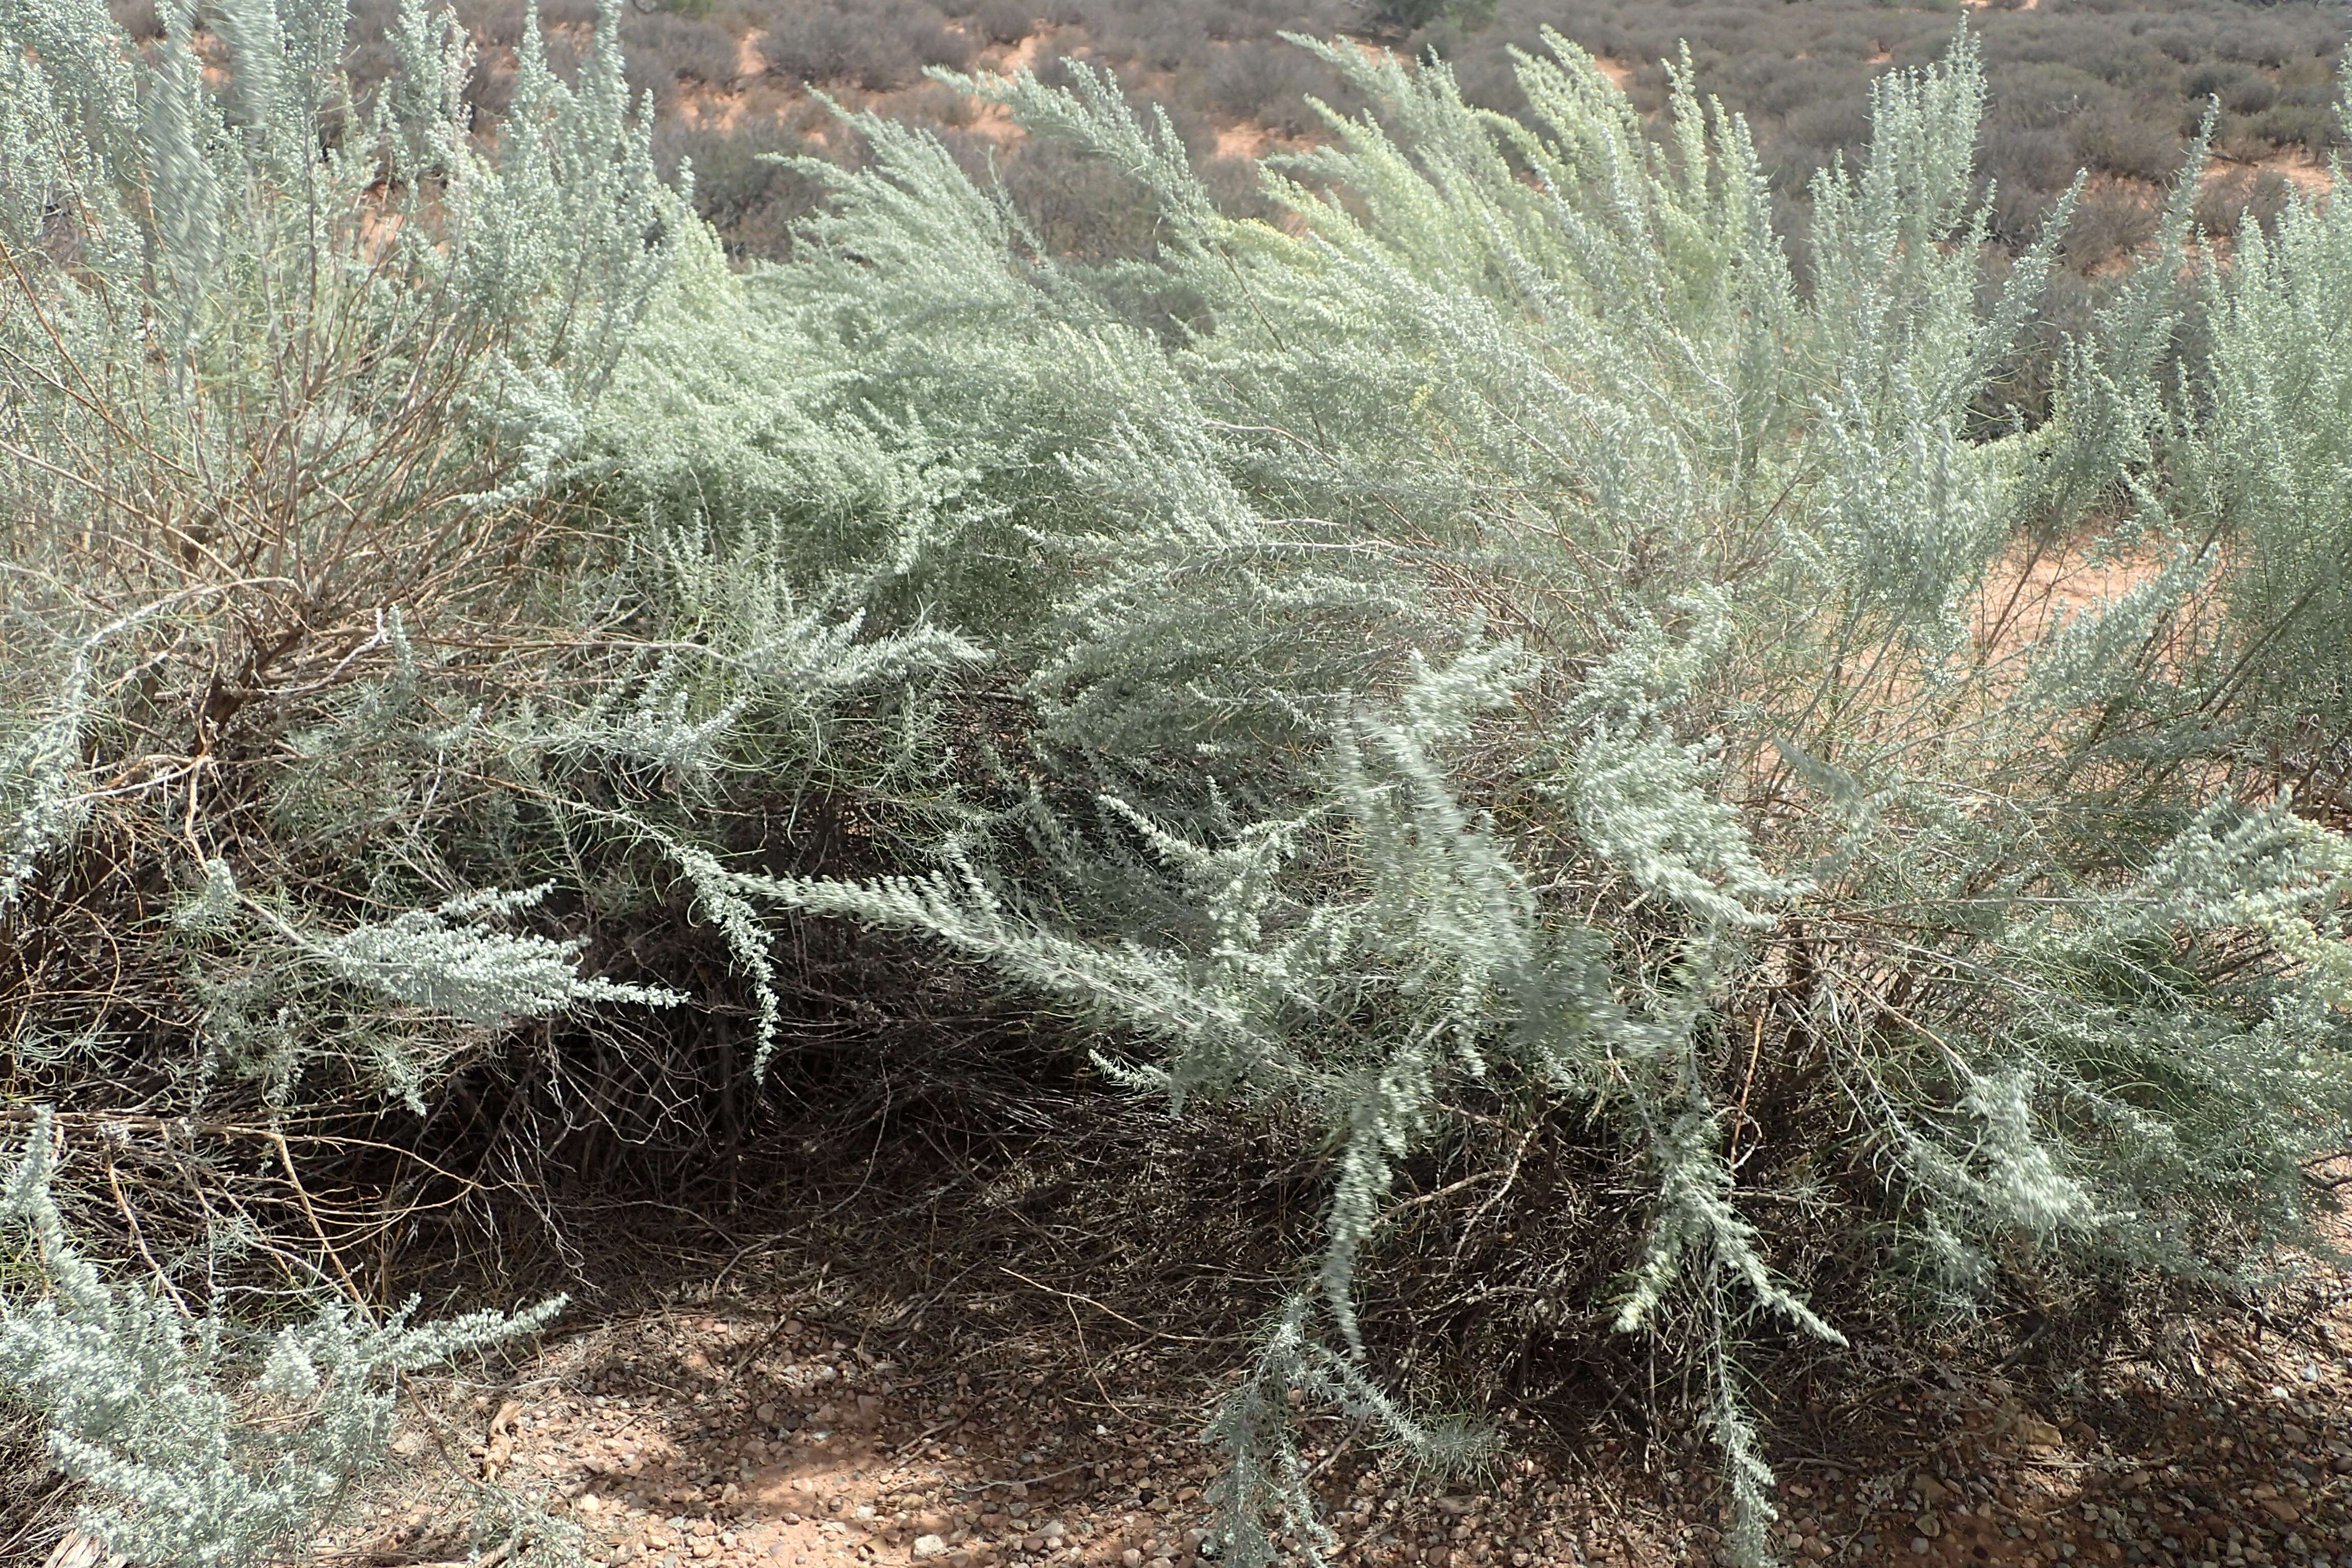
[1512, 640]
[285, 379]
[1497, 644]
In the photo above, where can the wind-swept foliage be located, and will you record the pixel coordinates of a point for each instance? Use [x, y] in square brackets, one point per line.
[1497, 635]
[1488, 653]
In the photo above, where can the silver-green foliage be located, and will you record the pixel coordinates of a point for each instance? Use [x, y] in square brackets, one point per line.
[277, 369]
[1497, 634]
[274, 365]
[303, 596]
[282, 370]
[204, 1443]
[1495, 631]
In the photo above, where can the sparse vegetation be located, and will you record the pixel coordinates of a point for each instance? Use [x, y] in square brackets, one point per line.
[2117, 88]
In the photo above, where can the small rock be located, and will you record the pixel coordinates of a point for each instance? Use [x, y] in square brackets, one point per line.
[1928, 1525]
[1928, 1487]
[928, 1547]
[1919, 1545]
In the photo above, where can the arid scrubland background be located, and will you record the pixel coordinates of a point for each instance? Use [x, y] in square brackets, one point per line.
[2116, 89]
[825, 782]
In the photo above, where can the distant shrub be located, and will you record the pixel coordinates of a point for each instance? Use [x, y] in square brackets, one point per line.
[1082, 207]
[1401, 18]
[935, 104]
[1785, 88]
[1789, 67]
[1835, 125]
[2309, 127]
[2187, 40]
[1235, 24]
[1004, 21]
[2024, 385]
[2028, 160]
[497, 23]
[740, 188]
[1269, 87]
[680, 48]
[1157, 42]
[138, 19]
[2109, 228]
[1489, 81]
[2234, 198]
[1237, 186]
[879, 47]
[2117, 141]
[2048, 95]
[2259, 40]
[2241, 89]
[2019, 213]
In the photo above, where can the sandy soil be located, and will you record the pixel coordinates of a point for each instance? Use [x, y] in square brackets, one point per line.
[744, 1433]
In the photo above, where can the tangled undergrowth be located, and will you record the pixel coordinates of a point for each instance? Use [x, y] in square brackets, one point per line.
[1553, 737]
